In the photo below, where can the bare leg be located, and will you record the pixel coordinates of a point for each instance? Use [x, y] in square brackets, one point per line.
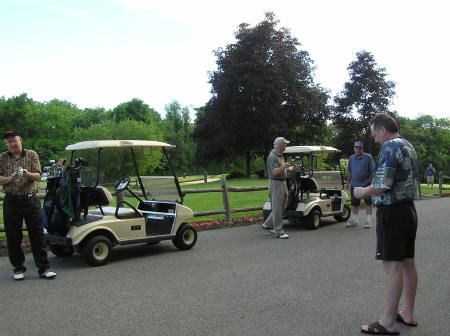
[368, 209]
[393, 282]
[410, 280]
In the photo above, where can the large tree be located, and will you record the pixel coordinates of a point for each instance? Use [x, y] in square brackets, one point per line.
[137, 110]
[178, 131]
[366, 94]
[263, 88]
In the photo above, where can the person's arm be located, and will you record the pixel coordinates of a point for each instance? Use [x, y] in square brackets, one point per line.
[6, 179]
[281, 169]
[32, 176]
[366, 192]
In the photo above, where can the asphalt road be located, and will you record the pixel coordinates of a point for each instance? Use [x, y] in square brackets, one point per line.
[237, 281]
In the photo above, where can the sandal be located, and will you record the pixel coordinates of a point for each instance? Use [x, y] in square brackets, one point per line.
[402, 320]
[375, 328]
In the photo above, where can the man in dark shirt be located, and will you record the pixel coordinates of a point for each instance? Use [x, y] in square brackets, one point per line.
[19, 174]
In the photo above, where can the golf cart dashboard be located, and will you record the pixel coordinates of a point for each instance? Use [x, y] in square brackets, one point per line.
[157, 206]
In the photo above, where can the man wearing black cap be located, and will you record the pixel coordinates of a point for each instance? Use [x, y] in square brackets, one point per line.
[278, 193]
[19, 172]
[360, 171]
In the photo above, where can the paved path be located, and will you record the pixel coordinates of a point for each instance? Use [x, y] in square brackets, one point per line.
[237, 281]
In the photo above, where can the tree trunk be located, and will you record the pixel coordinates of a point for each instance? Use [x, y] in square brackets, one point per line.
[247, 163]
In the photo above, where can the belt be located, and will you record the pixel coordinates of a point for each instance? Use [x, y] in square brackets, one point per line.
[22, 196]
[278, 179]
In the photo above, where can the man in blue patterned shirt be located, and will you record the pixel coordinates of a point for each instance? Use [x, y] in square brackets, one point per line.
[393, 190]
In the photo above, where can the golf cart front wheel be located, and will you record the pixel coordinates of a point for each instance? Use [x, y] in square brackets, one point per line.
[345, 215]
[186, 237]
[61, 251]
[313, 220]
[96, 251]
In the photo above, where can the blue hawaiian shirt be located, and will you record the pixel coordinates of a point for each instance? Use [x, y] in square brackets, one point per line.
[396, 170]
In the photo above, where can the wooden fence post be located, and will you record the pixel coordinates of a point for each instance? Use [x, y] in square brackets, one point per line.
[205, 177]
[441, 180]
[226, 203]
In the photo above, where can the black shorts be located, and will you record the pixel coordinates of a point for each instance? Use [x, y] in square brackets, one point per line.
[396, 231]
[357, 201]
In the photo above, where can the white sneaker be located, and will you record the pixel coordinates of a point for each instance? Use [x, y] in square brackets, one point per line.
[351, 224]
[48, 275]
[19, 276]
[368, 225]
[283, 236]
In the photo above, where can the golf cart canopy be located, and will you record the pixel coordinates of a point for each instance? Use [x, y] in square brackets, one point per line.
[310, 150]
[95, 144]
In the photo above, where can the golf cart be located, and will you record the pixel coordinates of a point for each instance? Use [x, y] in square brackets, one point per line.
[313, 193]
[77, 207]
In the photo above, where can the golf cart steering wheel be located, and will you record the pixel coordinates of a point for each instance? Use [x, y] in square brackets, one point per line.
[122, 184]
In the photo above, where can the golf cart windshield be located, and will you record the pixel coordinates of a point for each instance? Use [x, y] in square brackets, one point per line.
[107, 161]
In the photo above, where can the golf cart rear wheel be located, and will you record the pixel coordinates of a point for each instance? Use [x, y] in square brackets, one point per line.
[345, 215]
[96, 251]
[186, 237]
[61, 251]
[313, 220]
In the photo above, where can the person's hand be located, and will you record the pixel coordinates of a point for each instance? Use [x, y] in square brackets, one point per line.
[18, 172]
[359, 192]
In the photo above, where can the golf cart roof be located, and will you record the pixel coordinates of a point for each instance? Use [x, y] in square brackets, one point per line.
[94, 144]
[310, 150]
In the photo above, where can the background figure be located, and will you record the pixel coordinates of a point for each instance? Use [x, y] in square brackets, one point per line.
[360, 171]
[393, 190]
[278, 193]
[429, 174]
[19, 174]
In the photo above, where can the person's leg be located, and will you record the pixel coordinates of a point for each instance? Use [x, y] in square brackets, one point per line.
[268, 223]
[13, 229]
[354, 205]
[277, 207]
[368, 203]
[35, 229]
[393, 283]
[410, 280]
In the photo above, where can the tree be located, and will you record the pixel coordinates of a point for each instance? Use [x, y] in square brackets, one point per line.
[135, 109]
[263, 88]
[178, 131]
[366, 94]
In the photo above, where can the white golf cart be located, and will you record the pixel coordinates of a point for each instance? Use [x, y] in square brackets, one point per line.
[313, 193]
[76, 205]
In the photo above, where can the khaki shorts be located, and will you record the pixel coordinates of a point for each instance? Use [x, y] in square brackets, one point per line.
[430, 179]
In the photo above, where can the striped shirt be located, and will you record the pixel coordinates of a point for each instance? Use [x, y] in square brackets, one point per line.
[28, 160]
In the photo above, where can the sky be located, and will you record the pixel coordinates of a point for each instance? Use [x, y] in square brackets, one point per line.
[100, 53]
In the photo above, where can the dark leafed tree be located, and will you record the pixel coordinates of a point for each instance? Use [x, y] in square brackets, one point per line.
[366, 94]
[263, 88]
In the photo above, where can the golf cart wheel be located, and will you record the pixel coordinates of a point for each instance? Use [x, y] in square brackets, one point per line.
[61, 251]
[313, 220]
[96, 251]
[186, 237]
[345, 215]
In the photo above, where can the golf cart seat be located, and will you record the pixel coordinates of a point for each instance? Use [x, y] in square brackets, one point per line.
[98, 197]
[308, 185]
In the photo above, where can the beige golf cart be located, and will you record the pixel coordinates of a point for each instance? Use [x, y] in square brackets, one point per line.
[313, 193]
[80, 215]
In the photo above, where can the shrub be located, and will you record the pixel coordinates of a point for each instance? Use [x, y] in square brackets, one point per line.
[259, 173]
[237, 173]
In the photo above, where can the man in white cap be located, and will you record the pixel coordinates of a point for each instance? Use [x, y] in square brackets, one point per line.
[278, 193]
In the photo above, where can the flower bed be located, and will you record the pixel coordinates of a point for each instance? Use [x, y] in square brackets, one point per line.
[221, 224]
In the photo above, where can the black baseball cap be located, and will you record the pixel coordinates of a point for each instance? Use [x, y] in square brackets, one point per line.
[9, 133]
